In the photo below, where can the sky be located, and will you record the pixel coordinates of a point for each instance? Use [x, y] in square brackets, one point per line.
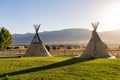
[19, 16]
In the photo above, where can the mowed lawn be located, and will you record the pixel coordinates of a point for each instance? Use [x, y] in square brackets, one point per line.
[59, 68]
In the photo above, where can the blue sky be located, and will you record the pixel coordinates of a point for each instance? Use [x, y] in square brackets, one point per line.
[18, 16]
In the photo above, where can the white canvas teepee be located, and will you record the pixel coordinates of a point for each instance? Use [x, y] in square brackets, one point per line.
[37, 48]
[95, 47]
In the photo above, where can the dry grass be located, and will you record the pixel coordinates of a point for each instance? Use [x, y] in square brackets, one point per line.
[63, 52]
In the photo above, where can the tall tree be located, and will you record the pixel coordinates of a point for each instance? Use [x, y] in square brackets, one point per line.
[5, 38]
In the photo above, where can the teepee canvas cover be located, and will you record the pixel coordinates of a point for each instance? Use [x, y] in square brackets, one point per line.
[37, 48]
[95, 47]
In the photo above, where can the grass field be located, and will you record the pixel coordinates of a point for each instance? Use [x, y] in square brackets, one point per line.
[59, 68]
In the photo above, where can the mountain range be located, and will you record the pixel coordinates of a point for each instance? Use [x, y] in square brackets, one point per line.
[67, 36]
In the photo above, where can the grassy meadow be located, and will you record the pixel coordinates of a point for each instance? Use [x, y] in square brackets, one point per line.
[59, 68]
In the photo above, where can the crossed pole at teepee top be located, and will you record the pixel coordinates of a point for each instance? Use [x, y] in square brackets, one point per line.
[37, 27]
[36, 37]
[95, 25]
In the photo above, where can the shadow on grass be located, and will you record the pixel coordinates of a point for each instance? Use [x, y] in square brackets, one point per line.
[51, 66]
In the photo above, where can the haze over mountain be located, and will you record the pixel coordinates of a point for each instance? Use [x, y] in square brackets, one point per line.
[70, 36]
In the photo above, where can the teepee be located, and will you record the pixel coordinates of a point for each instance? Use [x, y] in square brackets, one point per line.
[95, 47]
[37, 48]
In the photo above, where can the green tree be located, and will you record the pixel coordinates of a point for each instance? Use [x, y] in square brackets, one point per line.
[5, 38]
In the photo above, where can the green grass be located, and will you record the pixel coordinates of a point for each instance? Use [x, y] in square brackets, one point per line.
[59, 68]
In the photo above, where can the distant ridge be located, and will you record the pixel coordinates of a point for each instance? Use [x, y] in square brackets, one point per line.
[71, 36]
